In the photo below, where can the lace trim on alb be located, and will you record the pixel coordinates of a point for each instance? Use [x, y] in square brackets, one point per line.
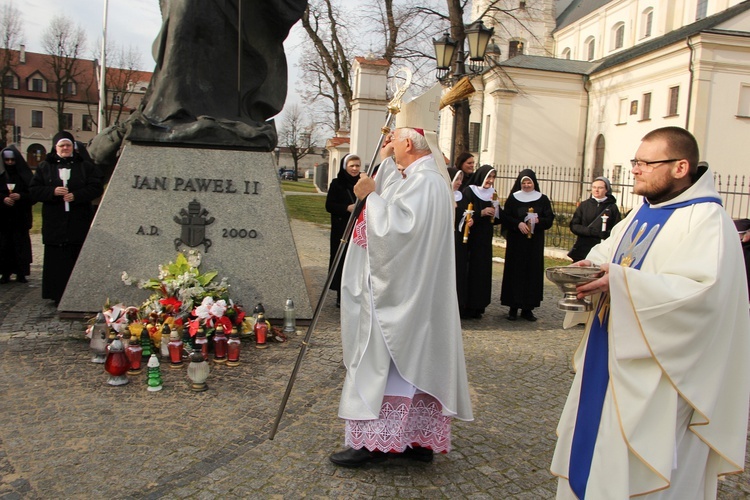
[403, 422]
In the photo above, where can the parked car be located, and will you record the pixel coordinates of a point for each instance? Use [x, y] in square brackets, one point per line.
[287, 175]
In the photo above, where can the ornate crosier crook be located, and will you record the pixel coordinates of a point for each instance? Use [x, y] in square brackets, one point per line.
[394, 106]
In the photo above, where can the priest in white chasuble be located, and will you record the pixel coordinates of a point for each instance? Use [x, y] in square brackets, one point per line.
[658, 408]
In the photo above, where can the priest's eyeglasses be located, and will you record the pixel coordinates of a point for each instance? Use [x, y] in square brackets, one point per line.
[645, 166]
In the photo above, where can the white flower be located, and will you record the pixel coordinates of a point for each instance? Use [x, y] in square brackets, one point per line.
[126, 278]
[219, 308]
[194, 258]
[203, 311]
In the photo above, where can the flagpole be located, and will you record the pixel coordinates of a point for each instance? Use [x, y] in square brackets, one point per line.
[102, 72]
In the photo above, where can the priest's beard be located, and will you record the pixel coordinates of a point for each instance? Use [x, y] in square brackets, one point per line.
[655, 191]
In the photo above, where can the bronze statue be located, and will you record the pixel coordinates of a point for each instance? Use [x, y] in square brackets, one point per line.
[208, 89]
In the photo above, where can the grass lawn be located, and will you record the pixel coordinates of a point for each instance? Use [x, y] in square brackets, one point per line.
[300, 186]
[308, 208]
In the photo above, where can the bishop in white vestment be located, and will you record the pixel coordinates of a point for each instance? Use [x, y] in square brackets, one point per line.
[400, 326]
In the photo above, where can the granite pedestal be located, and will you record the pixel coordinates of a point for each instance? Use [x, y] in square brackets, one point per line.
[226, 204]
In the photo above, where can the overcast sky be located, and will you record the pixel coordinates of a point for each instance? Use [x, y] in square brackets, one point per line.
[129, 23]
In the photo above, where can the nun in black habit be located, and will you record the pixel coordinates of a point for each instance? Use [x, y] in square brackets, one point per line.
[67, 210]
[15, 216]
[474, 258]
[340, 203]
[526, 216]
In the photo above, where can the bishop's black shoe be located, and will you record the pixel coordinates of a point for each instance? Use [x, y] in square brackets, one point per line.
[5, 278]
[357, 458]
[20, 278]
[512, 314]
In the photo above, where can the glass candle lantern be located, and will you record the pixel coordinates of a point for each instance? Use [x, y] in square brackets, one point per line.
[166, 337]
[290, 321]
[261, 331]
[197, 371]
[220, 345]
[98, 344]
[175, 349]
[134, 352]
[154, 374]
[233, 348]
[146, 342]
[116, 364]
[201, 343]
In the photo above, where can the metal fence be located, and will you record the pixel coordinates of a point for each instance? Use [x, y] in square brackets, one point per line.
[566, 188]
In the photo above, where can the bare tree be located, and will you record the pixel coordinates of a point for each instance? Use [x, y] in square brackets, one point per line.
[403, 30]
[64, 42]
[329, 74]
[327, 62]
[11, 27]
[121, 75]
[321, 92]
[297, 134]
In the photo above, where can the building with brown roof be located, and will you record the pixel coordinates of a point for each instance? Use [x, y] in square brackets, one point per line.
[31, 100]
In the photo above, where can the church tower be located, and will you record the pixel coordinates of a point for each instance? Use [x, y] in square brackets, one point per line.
[521, 26]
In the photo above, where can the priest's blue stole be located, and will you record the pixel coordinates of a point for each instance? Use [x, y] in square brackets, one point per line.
[631, 252]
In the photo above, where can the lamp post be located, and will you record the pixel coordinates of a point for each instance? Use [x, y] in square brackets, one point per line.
[450, 57]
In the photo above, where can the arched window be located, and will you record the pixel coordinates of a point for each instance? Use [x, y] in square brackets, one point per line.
[590, 48]
[647, 20]
[618, 36]
[565, 53]
[515, 48]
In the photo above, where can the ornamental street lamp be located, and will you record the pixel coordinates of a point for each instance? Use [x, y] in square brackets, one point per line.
[451, 58]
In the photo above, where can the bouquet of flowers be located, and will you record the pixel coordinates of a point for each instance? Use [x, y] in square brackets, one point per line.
[185, 296]
[180, 286]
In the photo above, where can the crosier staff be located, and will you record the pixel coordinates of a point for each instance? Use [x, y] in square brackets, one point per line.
[394, 106]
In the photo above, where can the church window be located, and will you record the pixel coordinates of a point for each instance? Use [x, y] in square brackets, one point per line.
[618, 36]
[515, 48]
[674, 95]
[647, 20]
[590, 48]
[646, 107]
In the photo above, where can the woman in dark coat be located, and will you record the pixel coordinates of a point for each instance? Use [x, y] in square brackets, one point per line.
[340, 203]
[465, 162]
[588, 222]
[67, 211]
[525, 217]
[474, 258]
[15, 217]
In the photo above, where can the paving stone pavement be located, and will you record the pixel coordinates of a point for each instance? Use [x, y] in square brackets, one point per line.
[66, 434]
